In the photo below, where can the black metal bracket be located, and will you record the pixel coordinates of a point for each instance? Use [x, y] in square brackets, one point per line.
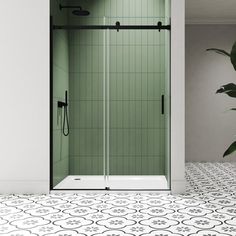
[63, 104]
[118, 25]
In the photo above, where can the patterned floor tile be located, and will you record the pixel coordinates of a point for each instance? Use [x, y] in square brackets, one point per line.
[208, 208]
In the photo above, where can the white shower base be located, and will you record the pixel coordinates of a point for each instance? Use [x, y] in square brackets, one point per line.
[116, 182]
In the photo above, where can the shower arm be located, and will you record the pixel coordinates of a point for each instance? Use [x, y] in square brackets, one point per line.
[61, 7]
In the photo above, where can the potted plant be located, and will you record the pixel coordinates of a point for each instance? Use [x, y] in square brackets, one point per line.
[229, 89]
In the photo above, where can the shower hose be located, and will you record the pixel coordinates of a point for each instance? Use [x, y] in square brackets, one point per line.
[65, 122]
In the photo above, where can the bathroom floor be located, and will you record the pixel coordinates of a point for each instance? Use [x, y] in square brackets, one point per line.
[208, 208]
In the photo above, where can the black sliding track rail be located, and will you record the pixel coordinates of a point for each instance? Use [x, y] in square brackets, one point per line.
[117, 27]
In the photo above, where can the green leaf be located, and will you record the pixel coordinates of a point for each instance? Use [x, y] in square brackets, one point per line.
[229, 89]
[219, 51]
[230, 149]
[233, 56]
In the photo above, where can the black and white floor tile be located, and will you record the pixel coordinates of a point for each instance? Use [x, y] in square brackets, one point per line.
[207, 209]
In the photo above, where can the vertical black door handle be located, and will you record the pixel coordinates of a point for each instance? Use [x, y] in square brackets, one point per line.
[162, 104]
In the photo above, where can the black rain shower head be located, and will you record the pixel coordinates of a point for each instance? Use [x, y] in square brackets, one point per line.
[78, 12]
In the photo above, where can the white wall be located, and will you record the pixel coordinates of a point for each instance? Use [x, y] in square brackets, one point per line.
[210, 128]
[177, 96]
[24, 96]
[24, 83]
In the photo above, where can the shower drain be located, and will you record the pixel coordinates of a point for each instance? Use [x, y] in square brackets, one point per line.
[77, 179]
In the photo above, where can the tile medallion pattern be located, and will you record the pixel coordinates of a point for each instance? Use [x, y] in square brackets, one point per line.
[207, 209]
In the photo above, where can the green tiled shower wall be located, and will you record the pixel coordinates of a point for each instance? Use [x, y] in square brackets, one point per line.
[60, 84]
[137, 74]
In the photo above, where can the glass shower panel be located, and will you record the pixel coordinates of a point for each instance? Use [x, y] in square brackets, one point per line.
[86, 90]
[136, 107]
[60, 80]
[87, 106]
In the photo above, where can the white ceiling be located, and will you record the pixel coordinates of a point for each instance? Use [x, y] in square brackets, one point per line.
[211, 11]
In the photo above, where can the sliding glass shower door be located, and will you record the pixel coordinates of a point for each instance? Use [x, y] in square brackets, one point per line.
[136, 109]
[118, 107]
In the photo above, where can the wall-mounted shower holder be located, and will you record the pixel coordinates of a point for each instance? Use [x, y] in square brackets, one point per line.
[63, 104]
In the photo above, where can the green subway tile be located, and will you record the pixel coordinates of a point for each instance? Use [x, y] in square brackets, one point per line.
[162, 142]
[97, 114]
[151, 142]
[150, 115]
[137, 165]
[138, 136]
[144, 116]
[60, 52]
[138, 114]
[144, 87]
[60, 171]
[126, 59]
[132, 90]
[132, 142]
[80, 142]
[156, 86]
[120, 144]
[112, 83]
[150, 86]
[157, 116]
[113, 60]
[119, 85]
[132, 114]
[126, 35]
[138, 59]
[119, 58]
[144, 141]
[144, 55]
[126, 139]
[120, 165]
[138, 86]
[162, 55]
[112, 142]
[56, 145]
[132, 56]
[119, 114]
[126, 114]
[157, 141]
[113, 108]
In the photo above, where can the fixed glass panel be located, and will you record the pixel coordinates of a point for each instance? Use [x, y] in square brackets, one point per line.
[84, 78]
[60, 80]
